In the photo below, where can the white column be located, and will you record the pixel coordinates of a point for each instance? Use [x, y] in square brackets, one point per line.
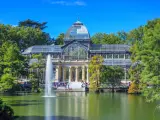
[125, 75]
[77, 74]
[87, 75]
[64, 74]
[60, 73]
[57, 74]
[83, 73]
[70, 74]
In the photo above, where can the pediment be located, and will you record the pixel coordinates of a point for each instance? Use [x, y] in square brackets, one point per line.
[73, 43]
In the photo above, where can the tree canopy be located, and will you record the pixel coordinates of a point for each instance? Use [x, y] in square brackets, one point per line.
[95, 66]
[60, 39]
[112, 75]
[12, 65]
[146, 59]
[103, 38]
[33, 24]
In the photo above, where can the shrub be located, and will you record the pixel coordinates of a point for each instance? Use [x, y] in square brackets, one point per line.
[6, 112]
[133, 88]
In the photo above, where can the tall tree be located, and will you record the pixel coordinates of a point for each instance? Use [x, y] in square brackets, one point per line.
[37, 69]
[13, 65]
[40, 26]
[33, 24]
[103, 38]
[145, 51]
[112, 75]
[60, 39]
[95, 66]
[24, 37]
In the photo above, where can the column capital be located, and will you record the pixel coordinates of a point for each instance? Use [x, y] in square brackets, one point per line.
[57, 66]
[83, 67]
[76, 67]
[70, 67]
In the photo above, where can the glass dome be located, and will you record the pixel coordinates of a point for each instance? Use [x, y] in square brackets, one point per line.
[77, 31]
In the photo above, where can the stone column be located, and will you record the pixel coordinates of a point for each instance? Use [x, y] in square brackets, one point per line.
[125, 75]
[70, 73]
[60, 73]
[64, 74]
[83, 73]
[87, 75]
[57, 74]
[77, 74]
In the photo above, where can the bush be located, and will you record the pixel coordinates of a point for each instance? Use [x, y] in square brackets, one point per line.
[6, 112]
[133, 88]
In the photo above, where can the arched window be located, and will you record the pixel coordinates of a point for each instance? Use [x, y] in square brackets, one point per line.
[75, 51]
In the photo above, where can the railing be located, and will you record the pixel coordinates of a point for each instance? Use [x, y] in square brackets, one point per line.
[117, 62]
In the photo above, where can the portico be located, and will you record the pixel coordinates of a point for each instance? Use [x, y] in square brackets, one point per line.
[71, 73]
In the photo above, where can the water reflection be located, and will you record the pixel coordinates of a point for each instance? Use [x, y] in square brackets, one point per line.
[48, 108]
[82, 106]
[73, 104]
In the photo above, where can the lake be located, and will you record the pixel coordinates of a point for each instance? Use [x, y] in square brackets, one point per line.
[83, 106]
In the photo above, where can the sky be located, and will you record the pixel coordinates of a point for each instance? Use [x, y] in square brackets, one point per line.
[108, 16]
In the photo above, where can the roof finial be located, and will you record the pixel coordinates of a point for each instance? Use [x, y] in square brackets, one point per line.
[78, 18]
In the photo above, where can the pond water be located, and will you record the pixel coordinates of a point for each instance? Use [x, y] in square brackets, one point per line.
[83, 106]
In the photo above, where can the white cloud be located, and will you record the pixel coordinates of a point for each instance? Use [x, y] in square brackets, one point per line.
[69, 3]
[14, 25]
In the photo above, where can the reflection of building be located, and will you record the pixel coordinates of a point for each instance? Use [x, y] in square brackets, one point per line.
[72, 58]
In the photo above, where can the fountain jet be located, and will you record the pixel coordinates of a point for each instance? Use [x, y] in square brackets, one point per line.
[49, 76]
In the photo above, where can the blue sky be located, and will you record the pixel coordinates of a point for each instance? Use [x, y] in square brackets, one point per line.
[109, 16]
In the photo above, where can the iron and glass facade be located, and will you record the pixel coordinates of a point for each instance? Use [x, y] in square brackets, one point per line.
[71, 60]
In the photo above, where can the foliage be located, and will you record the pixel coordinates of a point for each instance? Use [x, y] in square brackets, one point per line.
[146, 57]
[33, 24]
[6, 112]
[95, 66]
[13, 40]
[133, 88]
[23, 36]
[40, 26]
[11, 59]
[13, 65]
[6, 82]
[103, 38]
[60, 39]
[37, 71]
[112, 75]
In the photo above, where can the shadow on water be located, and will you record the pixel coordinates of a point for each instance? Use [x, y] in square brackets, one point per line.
[51, 118]
[24, 102]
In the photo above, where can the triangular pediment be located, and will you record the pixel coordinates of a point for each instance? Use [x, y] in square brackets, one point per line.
[75, 42]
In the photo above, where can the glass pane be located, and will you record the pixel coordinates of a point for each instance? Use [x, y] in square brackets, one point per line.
[121, 56]
[75, 52]
[109, 56]
[127, 56]
[115, 56]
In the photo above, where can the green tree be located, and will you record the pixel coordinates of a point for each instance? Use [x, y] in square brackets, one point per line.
[7, 82]
[6, 112]
[103, 38]
[13, 65]
[33, 24]
[123, 36]
[112, 75]
[60, 39]
[37, 69]
[145, 51]
[23, 36]
[37, 25]
[95, 66]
